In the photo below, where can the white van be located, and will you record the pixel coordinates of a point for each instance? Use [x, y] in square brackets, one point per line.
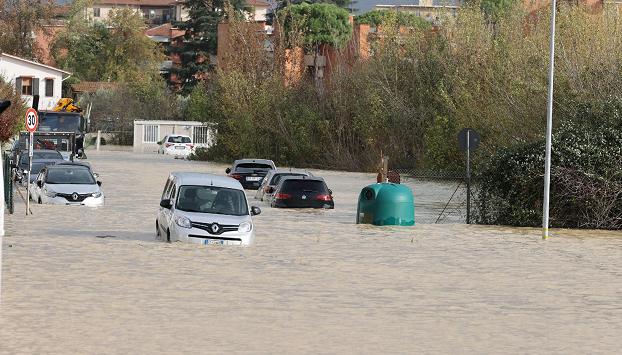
[205, 209]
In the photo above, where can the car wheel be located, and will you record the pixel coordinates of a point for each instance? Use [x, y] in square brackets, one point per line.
[168, 236]
[158, 234]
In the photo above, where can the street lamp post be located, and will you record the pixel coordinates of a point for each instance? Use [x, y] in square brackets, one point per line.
[549, 129]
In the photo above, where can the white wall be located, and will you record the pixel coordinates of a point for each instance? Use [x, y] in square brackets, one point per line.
[13, 68]
[104, 11]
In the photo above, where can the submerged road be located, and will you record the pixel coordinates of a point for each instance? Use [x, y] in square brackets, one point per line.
[81, 280]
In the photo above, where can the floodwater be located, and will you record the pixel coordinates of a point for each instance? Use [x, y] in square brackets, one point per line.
[94, 281]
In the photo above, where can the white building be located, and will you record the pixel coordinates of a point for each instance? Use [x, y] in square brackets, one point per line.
[155, 12]
[147, 134]
[32, 78]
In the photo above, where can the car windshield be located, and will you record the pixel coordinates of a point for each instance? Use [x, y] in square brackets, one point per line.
[277, 177]
[304, 185]
[211, 199]
[70, 175]
[178, 139]
[250, 167]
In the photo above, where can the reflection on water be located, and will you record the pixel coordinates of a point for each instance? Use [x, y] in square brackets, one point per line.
[313, 282]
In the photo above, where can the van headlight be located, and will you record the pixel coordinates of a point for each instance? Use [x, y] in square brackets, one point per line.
[245, 227]
[49, 193]
[183, 222]
[97, 194]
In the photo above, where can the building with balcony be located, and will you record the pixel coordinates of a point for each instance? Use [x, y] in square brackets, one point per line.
[155, 12]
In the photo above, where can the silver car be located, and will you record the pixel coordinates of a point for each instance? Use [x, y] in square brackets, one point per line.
[205, 209]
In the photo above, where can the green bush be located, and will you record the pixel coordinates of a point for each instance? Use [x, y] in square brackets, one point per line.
[586, 175]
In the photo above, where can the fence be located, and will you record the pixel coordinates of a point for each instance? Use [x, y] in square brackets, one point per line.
[8, 182]
[440, 197]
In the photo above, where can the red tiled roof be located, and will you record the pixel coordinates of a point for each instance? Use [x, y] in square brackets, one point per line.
[165, 30]
[92, 86]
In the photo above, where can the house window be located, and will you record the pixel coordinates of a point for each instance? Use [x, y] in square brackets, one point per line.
[151, 133]
[201, 135]
[26, 86]
[49, 87]
[96, 12]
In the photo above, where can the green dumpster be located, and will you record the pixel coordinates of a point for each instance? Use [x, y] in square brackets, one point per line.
[386, 204]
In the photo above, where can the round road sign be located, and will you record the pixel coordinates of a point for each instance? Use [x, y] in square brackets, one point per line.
[32, 120]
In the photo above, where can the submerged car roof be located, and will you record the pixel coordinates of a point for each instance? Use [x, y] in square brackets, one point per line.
[205, 179]
[260, 161]
[306, 178]
[72, 163]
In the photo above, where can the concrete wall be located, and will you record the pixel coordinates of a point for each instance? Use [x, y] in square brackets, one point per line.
[11, 68]
[171, 127]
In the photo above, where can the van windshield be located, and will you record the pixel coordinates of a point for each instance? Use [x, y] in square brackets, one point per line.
[70, 175]
[211, 199]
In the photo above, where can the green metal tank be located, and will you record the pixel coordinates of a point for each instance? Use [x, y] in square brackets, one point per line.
[386, 204]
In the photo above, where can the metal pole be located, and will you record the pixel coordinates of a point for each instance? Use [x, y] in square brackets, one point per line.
[468, 173]
[1, 221]
[549, 129]
[30, 146]
[99, 137]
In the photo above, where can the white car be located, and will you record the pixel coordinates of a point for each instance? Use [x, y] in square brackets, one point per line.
[205, 209]
[67, 184]
[176, 144]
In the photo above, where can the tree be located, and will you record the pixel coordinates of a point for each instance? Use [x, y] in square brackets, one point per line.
[116, 50]
[200, 40]
[320, 24]
[12, 119]
[19, 19]
[376, 18]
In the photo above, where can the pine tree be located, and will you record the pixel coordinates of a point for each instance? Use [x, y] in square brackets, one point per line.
[200, 40]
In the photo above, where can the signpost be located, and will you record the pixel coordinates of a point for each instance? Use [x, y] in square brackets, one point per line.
[32, 122]
[468, 139]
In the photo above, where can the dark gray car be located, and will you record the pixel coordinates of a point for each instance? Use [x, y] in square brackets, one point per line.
[40, 159]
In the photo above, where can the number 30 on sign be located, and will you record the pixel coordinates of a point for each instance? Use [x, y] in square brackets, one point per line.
[32, 120]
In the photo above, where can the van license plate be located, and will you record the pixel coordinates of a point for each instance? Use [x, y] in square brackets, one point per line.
[180, 147]
[253, 178]
[213, 242]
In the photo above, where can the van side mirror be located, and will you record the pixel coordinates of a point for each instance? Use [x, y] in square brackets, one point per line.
[40, 183]
[255, 211]
[99, 183]
[228, 170]
[165, 203]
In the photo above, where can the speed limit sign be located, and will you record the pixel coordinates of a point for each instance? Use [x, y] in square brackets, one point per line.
[32, 120]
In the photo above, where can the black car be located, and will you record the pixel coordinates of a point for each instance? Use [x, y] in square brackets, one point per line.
[303, 192]
[250, 172]
[40, 158]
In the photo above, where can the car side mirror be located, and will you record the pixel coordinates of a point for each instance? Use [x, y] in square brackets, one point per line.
[255, 211]
[39, 183]
[270, 190]
[159, 143]
[330, 192]
[165, 203]
[228, 170]
[99, 183]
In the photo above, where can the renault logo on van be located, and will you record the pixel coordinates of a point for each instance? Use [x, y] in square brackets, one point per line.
[75, 196]
[215, 228]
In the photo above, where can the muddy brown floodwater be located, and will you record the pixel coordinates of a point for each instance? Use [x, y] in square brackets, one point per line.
[314, 282]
